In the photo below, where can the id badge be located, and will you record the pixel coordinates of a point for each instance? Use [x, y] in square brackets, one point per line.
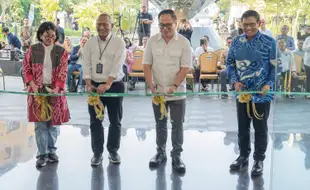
[99, 68]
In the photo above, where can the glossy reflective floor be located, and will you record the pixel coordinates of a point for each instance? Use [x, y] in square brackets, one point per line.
[210, 145]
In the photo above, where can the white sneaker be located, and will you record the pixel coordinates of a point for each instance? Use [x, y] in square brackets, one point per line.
[80, 89]
[1, 71]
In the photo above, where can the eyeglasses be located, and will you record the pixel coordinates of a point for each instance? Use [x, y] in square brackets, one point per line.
[49, 36]
[252, 25]
[168, 25]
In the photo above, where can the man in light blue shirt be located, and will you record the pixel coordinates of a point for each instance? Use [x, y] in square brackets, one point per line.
[250, 65]
[290, 44]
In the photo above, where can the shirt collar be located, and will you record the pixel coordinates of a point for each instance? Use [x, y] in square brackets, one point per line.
[257, 35]
[175, 37]
[50, 47]
[108, 37]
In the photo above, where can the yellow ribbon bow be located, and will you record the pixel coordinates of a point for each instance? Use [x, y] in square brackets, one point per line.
[98, 106]
[160, 100]
[246, 98]
[46, 109]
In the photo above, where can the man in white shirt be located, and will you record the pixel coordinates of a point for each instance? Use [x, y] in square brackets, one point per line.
[103, 58]
[203, 48]
[288, 67]
[167, 60]
[263, 28]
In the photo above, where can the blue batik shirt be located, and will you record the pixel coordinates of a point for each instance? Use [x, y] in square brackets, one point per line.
[252, 62]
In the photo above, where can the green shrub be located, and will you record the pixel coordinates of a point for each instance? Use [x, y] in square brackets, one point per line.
[74, 33]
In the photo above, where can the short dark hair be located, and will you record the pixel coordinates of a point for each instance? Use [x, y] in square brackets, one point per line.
[126, 39]
[281, 39]
[5, 29]
[46, 26]
[168, 12]
[57, 19]
[207, 37]
[229, 38]
[251, 13]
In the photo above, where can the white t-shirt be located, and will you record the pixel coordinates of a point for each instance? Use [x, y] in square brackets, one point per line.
[47, 65]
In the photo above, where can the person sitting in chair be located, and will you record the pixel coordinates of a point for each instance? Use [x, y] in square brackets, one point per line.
[76, 65]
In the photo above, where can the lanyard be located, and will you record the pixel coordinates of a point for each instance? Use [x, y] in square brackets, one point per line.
[105, 47]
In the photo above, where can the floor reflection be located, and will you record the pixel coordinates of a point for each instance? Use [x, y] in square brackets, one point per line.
[48, 178]
[244, 181]
[304, 145]
[114, 177]
[97, 178]
[17, 144]
[138, 145]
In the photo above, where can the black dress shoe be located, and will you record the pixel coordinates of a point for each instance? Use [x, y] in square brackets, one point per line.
[96, 160]
[114, 158]
[258, 168]
[178, 165]
[53, 158]
[41, 161]
[240, 163]
[157, 160]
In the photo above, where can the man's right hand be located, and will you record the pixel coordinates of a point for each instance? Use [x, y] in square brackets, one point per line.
[238, 86]
[90, 88]
[153, 89]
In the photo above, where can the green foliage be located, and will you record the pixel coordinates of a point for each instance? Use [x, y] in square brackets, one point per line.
[224, 7]
[48, 9]
[70, 32]
[88, 12]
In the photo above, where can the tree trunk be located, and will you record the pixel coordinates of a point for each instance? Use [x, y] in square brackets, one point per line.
[68, 20]
[294, 32]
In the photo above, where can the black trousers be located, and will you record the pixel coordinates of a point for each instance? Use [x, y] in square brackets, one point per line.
[115, 111]
[260, 127]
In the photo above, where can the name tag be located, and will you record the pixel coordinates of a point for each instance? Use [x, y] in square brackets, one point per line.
[99, 68]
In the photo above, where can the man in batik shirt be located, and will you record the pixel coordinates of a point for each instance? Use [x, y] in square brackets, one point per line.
[250, 61]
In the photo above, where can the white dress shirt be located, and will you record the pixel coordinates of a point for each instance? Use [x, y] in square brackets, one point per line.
[287, 59]
[111, 60]
[199, 51]
[167, 61]
[47, 65]
[306, 48]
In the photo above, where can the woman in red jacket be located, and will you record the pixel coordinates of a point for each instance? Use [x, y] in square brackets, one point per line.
[45, 71]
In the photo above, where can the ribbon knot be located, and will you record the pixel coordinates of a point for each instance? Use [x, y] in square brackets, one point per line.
[46, 109]
[246, 98]
[161, 102]
[98, 106]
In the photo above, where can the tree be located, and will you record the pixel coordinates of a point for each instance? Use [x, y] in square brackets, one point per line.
[279, 12]
[49, 9]
[68, 7]
[87, 12]
[16, 13]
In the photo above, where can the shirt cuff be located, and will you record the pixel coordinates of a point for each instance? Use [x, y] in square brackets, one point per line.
[29, 78]
[113, 75]
[60, 84]
[86, 76]
[270, 84]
